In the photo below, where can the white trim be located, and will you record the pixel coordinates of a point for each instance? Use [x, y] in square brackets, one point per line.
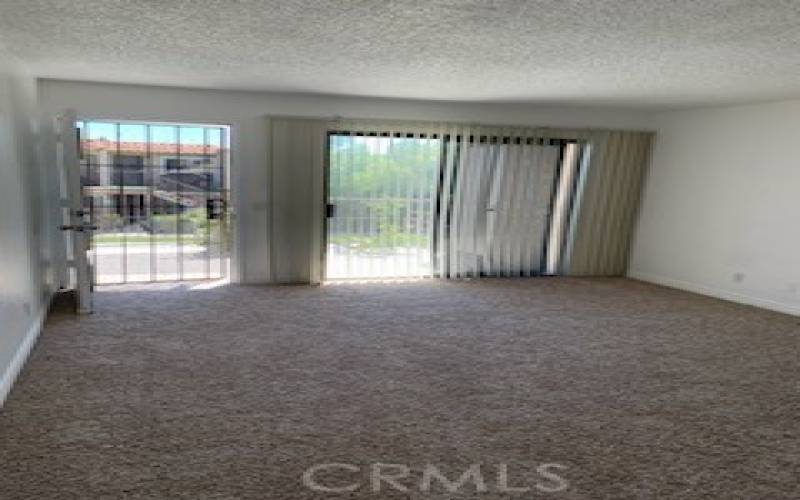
[716, 292]
[18, 361]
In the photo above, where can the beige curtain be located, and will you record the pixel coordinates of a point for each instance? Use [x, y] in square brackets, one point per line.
[297, 159]
[605, 211]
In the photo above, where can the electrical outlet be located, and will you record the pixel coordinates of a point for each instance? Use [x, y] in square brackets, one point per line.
[738, 277]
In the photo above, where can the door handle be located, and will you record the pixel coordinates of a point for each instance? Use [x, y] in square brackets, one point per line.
[330, 210]
[80, 228]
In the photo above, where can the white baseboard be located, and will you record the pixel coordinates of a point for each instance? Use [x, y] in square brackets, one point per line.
[715, 292]
[19, 359]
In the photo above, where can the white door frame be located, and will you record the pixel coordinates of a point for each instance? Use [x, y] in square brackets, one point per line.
[76, 229]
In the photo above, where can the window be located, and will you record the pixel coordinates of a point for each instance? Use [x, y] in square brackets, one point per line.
[128, 170]
[174, 164]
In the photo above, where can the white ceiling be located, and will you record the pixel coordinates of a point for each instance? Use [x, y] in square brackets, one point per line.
[643, 53]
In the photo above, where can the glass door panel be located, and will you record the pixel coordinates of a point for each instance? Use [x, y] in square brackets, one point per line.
[382, 194]
[158, 196]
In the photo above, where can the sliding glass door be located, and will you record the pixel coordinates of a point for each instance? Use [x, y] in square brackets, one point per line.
[381, 204]
[157, 195]
[448, 204]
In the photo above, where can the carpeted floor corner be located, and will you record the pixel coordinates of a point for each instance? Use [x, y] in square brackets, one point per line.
[637, 391]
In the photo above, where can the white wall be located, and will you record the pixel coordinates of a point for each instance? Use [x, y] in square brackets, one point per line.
[246, 112]
[721, 209]
[24, 232]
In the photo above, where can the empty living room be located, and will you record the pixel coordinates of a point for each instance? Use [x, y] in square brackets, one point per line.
[363, 249]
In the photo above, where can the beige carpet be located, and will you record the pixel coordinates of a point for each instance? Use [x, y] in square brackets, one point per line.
[637, 391]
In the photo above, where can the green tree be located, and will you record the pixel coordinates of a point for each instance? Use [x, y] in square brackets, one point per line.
[388, 181]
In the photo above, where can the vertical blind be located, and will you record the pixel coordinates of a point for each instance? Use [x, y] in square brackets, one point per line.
[500, 196]
[607, 204]
[421, 199]
[297, 157]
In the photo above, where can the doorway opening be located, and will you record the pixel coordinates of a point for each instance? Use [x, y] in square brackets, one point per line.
[158, 196]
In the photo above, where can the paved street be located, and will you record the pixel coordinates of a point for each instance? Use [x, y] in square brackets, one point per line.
[141, 262]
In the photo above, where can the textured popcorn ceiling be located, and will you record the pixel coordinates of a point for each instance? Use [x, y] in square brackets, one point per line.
[630, 52]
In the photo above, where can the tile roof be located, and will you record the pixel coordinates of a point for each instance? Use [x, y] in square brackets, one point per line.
[142, 147]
